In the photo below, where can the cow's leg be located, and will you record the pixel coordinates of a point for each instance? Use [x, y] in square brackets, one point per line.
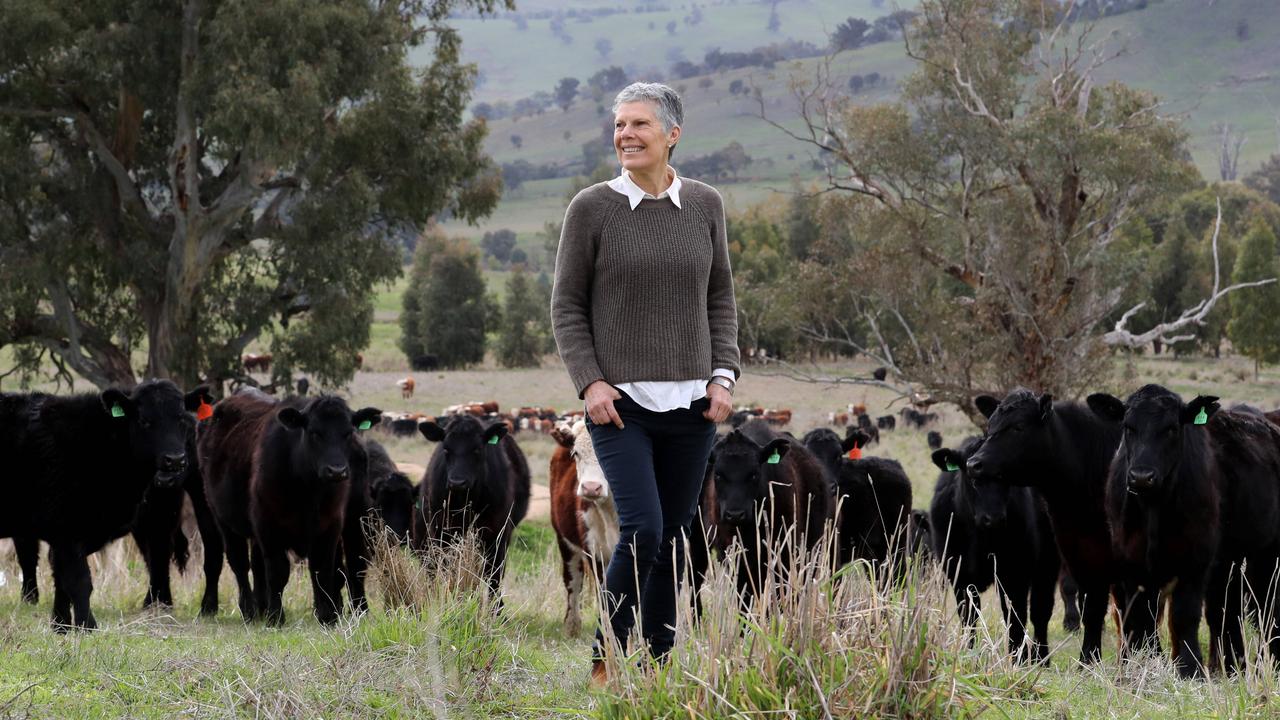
[968, 606]
[1014, 603]
[1184, 628]
[572, 568]
[495, 561]
[1214, 610]
[238, 558]
[158, 551]
[1043, 587]
[261, 586]
[61, 598]
[1070, 601]
[1138, 613]
[211, 540]
[276, 567]
[324, 584]
[71, 572]
[1093, 616]
[28, 549]
[356, 553]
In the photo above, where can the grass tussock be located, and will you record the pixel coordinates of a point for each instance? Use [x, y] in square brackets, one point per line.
[860, 642]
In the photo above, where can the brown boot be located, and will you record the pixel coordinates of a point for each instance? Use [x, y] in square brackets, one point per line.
[599, 675]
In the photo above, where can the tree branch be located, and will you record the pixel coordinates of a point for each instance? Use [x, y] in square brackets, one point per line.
[1195, 315]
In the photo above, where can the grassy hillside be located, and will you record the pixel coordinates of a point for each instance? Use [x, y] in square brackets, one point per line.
[1193, 54]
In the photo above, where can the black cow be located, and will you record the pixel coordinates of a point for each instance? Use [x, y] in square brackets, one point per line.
[1064, 451]
[391, 492]
[380, 493]
[934, 440]
[873, 519]
[1193, 495]
[993, 533]
[476, 481]
[425, 362]
[77, 470]
[886, 422]
[278, 477]
[827, 448]
[760, 480]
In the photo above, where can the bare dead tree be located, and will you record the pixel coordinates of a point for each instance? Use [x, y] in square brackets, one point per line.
[1229, 151]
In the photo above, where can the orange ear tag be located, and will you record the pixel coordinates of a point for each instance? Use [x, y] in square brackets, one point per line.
[205, 411]
[855, 453]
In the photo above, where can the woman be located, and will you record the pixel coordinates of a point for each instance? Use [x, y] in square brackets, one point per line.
[646, 324]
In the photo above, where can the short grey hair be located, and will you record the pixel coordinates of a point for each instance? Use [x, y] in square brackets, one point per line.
[667, 103]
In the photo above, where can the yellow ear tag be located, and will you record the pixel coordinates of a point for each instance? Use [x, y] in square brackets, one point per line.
[117, 411]
[365, 425]
[775, 458]
[494, 440]
[952, 467]
[1202, 417]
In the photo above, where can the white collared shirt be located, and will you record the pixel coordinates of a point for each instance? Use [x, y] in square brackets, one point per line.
[661, 395]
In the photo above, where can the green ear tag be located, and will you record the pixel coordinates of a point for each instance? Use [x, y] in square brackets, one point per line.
[775, 458]
[117, 411]
[1202, 417]
[952, 467]
[494, 440]
[365, 425]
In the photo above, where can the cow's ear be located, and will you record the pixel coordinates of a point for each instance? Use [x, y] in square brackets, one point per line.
[773, 452]
[855, 438]
[1199, 410]
[431, 431]
[292, 418]
[986, 405]
[495, 432]
[194, 399]
[947, 460]
[365, 418]
[563, 437]
[1046, 406]
[1107, 407]
[117, 403]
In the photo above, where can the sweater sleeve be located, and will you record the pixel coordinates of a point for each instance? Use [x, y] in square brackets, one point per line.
[571, 291]
[722, 309]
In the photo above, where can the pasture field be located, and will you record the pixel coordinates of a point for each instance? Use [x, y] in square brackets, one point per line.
[867, 652]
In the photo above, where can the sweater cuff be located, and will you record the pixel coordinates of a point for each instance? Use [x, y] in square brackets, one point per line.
[584, 378]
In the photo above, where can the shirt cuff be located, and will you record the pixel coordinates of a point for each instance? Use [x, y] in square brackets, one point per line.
[724, 373]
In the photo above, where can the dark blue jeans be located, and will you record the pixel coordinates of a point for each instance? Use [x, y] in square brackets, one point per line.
[655, 466]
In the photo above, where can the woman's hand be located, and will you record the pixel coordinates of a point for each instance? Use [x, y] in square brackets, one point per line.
[600, 396]
[721, 403]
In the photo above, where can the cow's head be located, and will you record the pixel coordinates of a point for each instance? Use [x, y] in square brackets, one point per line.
[393, 496]
[977, 496]
[159, 419]
[1018, 436]
[828, 448]
[741, 482]
[1156, 425]
[593, 486]
[465, 441]
[327, 446]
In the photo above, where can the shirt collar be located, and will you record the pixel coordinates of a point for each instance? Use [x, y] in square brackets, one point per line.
[625, 185]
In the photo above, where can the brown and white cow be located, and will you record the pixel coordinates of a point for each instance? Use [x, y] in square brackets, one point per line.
[406, 385]
[582, 513]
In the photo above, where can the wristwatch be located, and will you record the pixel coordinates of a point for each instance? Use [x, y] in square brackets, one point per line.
[723, 382]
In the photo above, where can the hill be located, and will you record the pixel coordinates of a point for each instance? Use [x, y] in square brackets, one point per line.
[1210, 63]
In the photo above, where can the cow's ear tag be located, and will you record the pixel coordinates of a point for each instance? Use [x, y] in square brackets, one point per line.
[775, 458]
[1202, 417]
[952, 467]
[417, 505]
[365, 425]
[205, 411]
[117, 411]
[855, 453]
[494, 440]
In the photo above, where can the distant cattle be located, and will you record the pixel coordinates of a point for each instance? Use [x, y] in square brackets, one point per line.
[763, 487]
[880, 373]
[423, 363]
[583, 515]
[256, 363]
[406, 385]
[1193, 497]
[76, 470]
[1064, 451]
[919, 420]
[476, 481]
[886, 422]
[989, 533]
[304, 386]
[866, 435]
[359, 361]
[278, 475]
[934, 440]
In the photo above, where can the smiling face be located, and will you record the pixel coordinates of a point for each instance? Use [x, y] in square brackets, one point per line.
[639, 139]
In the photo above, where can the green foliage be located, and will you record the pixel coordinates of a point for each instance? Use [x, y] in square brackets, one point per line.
[169, 185]
[498, 244]
[1255, 312]
[1266, 179]
[566, 90]
[521, 341]
[446, 312]
[762, 272]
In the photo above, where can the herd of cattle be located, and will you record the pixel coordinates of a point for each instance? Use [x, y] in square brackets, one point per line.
[1133, 505]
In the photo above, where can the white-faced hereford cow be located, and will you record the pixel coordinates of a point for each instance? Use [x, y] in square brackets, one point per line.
[582, 513]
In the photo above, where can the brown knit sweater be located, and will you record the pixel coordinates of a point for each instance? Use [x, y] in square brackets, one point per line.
[644, 294]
